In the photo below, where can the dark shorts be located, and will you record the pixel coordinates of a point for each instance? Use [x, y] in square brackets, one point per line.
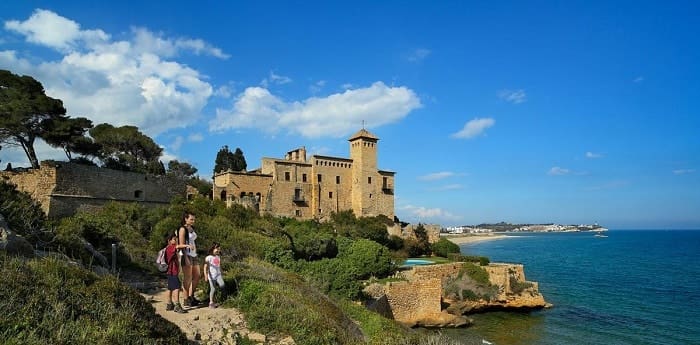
[187, 260]
[173, 283]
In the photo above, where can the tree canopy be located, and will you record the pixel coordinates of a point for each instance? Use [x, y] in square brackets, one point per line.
[26, 112]
[227, 160]
[126, 148]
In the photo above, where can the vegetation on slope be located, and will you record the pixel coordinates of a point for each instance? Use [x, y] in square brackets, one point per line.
[289, 277]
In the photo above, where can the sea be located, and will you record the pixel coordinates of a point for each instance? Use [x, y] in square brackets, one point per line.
[632, 287]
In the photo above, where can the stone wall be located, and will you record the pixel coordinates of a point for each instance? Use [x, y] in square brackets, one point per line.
[433, 231]
[64, 188]
[418, 301]
[414, 300]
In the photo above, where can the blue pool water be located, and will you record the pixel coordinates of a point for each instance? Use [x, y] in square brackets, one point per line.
[416, 262]
[633, 287]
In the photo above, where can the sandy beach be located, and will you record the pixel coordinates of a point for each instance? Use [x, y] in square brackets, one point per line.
[472, 238]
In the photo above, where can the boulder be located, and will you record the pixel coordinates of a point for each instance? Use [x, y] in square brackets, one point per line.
[12, 243]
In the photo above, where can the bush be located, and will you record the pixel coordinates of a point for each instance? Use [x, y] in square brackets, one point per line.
[482, 260]
[476, 273]
[49, 301]
[275, 301]
[517, 287]
[444, 248]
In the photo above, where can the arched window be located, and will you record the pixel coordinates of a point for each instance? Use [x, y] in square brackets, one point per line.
[223, 195]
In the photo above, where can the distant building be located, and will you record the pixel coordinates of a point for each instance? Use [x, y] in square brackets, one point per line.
[314, 188]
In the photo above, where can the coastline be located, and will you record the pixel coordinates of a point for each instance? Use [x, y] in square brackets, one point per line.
[472, 238]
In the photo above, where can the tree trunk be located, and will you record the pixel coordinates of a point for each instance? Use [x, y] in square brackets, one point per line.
[28, 146]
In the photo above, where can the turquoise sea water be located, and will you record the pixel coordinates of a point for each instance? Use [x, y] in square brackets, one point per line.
[633, 287]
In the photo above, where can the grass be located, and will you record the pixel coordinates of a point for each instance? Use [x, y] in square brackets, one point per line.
[50, 301]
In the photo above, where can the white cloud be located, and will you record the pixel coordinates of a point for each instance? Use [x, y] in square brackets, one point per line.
[473, 128]
[145, 41]
[683, 171]
[195, 137]
[275, 79]
[593, 155]
[436, 176]
[638, 79]
[51, 30]
[126, 82]
[557, 171]
[334, 116]
[346, 86]
[424, 214]
[177, 143]
[14, 154]
[317, 86]
[418, 55]
[166, 157]
[513, 96]
[455, 186]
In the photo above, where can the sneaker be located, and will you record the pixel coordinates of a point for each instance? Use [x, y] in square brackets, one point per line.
[178, 309]
[195, 301]
[213, 305]
[170, 306]
[188, 302]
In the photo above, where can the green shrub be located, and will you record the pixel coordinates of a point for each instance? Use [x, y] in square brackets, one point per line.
[482, 260]
[444, 248]
[368, 258]
[517, 286]
[276, 302]
[49, 301]
[476, 273]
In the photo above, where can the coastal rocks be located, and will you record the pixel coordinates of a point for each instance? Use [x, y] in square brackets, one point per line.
[440, 295]
[12, 243]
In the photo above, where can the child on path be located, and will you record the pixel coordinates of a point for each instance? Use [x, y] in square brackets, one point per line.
[173, 271]
[212, 272]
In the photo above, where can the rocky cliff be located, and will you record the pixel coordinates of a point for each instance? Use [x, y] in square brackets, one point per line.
[441, 295]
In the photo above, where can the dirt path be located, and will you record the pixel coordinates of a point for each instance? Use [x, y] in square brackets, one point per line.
[204, 325]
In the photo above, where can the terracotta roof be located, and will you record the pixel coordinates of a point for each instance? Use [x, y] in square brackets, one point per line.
[363, 133]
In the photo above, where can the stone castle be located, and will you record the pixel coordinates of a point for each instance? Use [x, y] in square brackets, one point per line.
[314, 188]
[64, 188]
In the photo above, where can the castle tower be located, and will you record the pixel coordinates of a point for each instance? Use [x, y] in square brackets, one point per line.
[365, 178]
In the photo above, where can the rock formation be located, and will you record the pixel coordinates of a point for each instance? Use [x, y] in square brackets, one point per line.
[12, 243]
[440, 295]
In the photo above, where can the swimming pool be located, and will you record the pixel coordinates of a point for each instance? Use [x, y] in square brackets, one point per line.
[416, 262]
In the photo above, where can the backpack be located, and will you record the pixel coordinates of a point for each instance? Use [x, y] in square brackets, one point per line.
[161, 261]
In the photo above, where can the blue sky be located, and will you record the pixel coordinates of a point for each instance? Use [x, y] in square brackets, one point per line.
[525, 112]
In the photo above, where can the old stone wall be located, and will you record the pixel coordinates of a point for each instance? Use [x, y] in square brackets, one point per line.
[432, 230]
[64, 188]
[411, 301]
[415, 301]
[38, 183]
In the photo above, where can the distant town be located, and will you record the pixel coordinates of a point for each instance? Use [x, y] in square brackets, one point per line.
[507, 227]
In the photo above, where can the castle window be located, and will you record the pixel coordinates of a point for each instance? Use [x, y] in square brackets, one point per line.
[223, 195]
[297, 213]
[319, 178]
[337, 180]
[286, 176]
[370, 195]
[369, 179]
[303, 177]
[138, 194]
[330, 195]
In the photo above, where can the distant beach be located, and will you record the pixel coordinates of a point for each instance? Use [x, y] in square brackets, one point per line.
[472, 238]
